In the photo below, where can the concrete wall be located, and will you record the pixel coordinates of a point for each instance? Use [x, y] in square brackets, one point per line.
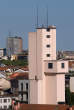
[51, 90]
[60, 78]
[62, 70]
[32, 55]
[33, 92]
[49, 41]
[56, 66]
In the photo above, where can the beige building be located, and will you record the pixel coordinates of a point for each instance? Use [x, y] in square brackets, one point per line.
[46, 74]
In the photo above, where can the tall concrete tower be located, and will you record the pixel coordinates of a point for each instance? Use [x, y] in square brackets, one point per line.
[46, 74]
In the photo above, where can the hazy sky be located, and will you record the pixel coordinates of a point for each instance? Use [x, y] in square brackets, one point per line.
[19, 18]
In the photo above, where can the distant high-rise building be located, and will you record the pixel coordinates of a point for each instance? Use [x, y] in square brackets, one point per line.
[2, 52]
[14, 45]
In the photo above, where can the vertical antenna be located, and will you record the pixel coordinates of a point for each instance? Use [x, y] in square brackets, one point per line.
[9, 33]
[47, 17]
[37, 17]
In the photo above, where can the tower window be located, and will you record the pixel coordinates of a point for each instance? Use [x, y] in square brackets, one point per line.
[48, 55]
[62, 65]
[50, 65]
[48, 36]
[48, 45]
[48, 29]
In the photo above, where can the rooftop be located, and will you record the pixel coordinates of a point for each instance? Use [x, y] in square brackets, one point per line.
[43, 107]
[49, 27]
[18, 76]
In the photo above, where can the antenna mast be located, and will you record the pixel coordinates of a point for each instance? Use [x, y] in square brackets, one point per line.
[37, 17]
[47, 17]
[9, 33]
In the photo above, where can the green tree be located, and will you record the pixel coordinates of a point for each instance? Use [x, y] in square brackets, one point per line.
[68, 96]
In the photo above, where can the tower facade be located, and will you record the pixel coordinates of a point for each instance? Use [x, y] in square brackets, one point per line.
[46, 74]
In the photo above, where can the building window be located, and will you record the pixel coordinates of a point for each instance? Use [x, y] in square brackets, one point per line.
[26, 86]
[5, 107]
[48, 36]
[21, 86]
[48, 29]
[62, 65]
[8, 100]
[5, 100]
[48, 45]
[48, 55]
[50, 65]
[27, 96]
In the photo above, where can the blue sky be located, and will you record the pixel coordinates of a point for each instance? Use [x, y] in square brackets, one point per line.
[19, 18]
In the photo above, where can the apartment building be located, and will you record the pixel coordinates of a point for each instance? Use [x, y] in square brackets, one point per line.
[5, 102]
[2, 52]
[14, 45]
[46, 73]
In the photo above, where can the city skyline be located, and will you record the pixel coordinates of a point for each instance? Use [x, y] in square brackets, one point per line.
[19, 18]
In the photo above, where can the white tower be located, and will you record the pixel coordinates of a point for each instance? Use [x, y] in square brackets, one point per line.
[46, 74]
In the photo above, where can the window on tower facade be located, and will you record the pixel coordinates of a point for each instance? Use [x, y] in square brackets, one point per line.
[48, 45]
[48, 55]
[48, 29]
[50, 65]
[62, 65]
[48, 36]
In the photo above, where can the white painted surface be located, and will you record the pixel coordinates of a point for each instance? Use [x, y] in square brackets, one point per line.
[5, 104]
[72, 84]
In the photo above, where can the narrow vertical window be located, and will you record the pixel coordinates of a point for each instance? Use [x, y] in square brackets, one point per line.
[62, 65]
[21, 86]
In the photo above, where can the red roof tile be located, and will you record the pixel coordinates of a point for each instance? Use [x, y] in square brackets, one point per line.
[43, 107]
[18, 75]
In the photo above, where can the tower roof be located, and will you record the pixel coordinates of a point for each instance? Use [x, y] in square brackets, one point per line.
[49, 27]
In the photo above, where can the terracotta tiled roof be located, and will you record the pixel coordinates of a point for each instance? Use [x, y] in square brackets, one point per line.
[13, 67]
[3, 68]
[18, 76]
[43, 107]
[25, 68]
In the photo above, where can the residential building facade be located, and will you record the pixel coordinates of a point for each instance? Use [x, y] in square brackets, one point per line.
[5, 102]
[24, 91]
